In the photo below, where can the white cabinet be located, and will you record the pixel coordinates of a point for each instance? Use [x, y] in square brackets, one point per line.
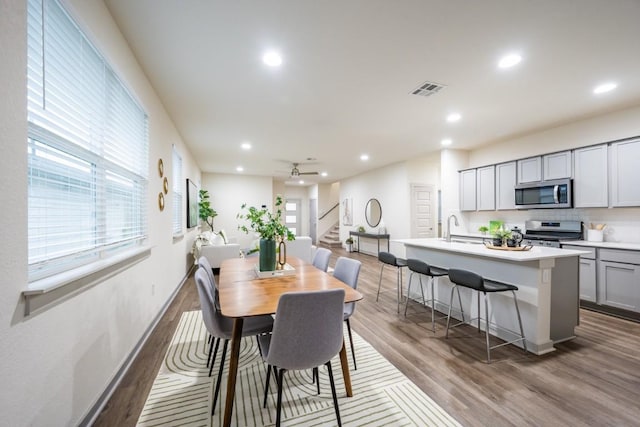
[556, 165]
[505, 186]
[590, 189]
[468, 190]
[588, 272]
[486, 188]
[619, 279]
[624, 173]
[530, 170]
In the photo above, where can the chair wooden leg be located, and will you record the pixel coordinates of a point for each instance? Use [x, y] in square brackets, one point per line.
[266, 387]
[280, 382]
[333, 393]
[353, 351]
[316, 378]
[219, 380]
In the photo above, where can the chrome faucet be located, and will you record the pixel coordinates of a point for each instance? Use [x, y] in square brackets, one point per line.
[448, 237]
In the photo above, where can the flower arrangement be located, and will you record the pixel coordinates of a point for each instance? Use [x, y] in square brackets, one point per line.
[267, 225]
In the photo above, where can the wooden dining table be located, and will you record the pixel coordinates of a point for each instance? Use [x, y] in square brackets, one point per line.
[243, 294]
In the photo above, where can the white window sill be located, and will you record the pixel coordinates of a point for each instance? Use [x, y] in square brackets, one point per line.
[178, 237]
[45, 291]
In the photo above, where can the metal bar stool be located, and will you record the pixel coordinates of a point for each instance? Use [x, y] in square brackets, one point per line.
[387, 258]
[477, 283]
[421, 268]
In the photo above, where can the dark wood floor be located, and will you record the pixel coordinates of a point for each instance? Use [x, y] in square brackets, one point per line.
[593, 380]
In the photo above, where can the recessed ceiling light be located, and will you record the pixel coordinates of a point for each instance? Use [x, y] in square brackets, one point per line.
[301, 182]
[453, 117]
[605, 87]
[364, 157]
[445, 142]
[509, 60]
[240, 169]
[246, 146]
[272, 58]
[323, 174]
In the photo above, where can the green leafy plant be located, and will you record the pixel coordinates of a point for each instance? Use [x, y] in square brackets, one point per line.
[483, 229]
[502, 234]
[349, 240]
[205, 211]
[268, 225]
[361, 229]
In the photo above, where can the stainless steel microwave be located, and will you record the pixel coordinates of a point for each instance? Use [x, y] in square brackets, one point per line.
[544, 194]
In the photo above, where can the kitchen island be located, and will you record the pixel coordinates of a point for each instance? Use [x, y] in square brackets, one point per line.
[547, 278]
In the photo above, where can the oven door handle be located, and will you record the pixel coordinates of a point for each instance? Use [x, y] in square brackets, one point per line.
[556, 192]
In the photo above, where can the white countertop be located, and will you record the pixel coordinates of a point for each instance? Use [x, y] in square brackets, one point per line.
[607, 245]
[477, 249]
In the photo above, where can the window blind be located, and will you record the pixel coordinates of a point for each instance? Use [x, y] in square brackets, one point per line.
[87, 149]
[177, 192]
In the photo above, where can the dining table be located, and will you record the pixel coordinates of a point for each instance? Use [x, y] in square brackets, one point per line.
[244, 294]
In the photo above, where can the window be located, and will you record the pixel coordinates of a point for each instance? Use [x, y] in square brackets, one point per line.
[87, 149]
[177, 192]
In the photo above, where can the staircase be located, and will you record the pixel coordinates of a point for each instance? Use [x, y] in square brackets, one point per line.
[331, 238]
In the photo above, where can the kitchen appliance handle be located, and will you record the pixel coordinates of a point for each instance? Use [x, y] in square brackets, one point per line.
[556, 189]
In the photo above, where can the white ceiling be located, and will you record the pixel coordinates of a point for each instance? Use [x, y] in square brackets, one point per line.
[350, 65]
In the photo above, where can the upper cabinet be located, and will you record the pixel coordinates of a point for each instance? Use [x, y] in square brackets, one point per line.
[486, 188]
[624, 173]
[556, 165]
[590, 183]
[529, 170]
[505, 185]
[468, 190]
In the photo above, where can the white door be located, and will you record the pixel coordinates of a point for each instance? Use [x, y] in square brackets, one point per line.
[292, 215]
[422, 211]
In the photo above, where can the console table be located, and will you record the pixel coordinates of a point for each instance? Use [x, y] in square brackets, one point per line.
[377, 237]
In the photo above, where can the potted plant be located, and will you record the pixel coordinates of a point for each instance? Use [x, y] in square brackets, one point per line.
[205, 211]
[269, 227]
[500, 236]
[361, 229]
[483, 229]
[349, 242]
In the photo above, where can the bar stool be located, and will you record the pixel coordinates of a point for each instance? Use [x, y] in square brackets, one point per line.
[387, 258]
[468, 279]
[421, 268]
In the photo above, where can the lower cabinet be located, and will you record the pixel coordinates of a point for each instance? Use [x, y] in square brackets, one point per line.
[588, 279]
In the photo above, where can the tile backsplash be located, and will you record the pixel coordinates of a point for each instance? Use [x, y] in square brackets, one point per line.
[623, 224]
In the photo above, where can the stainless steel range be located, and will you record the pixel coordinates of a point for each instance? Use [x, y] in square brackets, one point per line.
[550, 233]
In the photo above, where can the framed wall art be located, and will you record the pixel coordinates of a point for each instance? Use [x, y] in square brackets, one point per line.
[192, 204]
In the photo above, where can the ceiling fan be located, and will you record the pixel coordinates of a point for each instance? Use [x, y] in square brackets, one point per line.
[295, 172]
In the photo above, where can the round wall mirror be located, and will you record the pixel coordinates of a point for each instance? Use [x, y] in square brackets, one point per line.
[373, 212]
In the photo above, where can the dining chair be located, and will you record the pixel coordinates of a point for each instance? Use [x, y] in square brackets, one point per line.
[321, 259]
[220, 327]
[347, 270]
[204, 263]
[307, 333]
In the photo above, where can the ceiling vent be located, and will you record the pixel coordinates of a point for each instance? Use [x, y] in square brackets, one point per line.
[428, 89]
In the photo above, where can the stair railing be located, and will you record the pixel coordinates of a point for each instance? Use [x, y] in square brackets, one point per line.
[329, 211]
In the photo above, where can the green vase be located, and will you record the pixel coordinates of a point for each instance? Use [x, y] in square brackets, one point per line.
[267, 255]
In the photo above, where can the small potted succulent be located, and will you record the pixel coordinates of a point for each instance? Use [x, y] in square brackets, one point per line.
[500, 236]
[349, 242]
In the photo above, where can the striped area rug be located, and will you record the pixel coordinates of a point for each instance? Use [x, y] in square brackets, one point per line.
[182, 392]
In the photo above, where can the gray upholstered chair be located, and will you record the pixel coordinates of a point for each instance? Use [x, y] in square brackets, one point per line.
[307, 333]
[204, 263]
[220, 327]
[471, 280]
[387, 258]
[347, 270]
[321, 259]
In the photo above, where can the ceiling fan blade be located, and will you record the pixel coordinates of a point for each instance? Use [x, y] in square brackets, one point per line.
[308, 173]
